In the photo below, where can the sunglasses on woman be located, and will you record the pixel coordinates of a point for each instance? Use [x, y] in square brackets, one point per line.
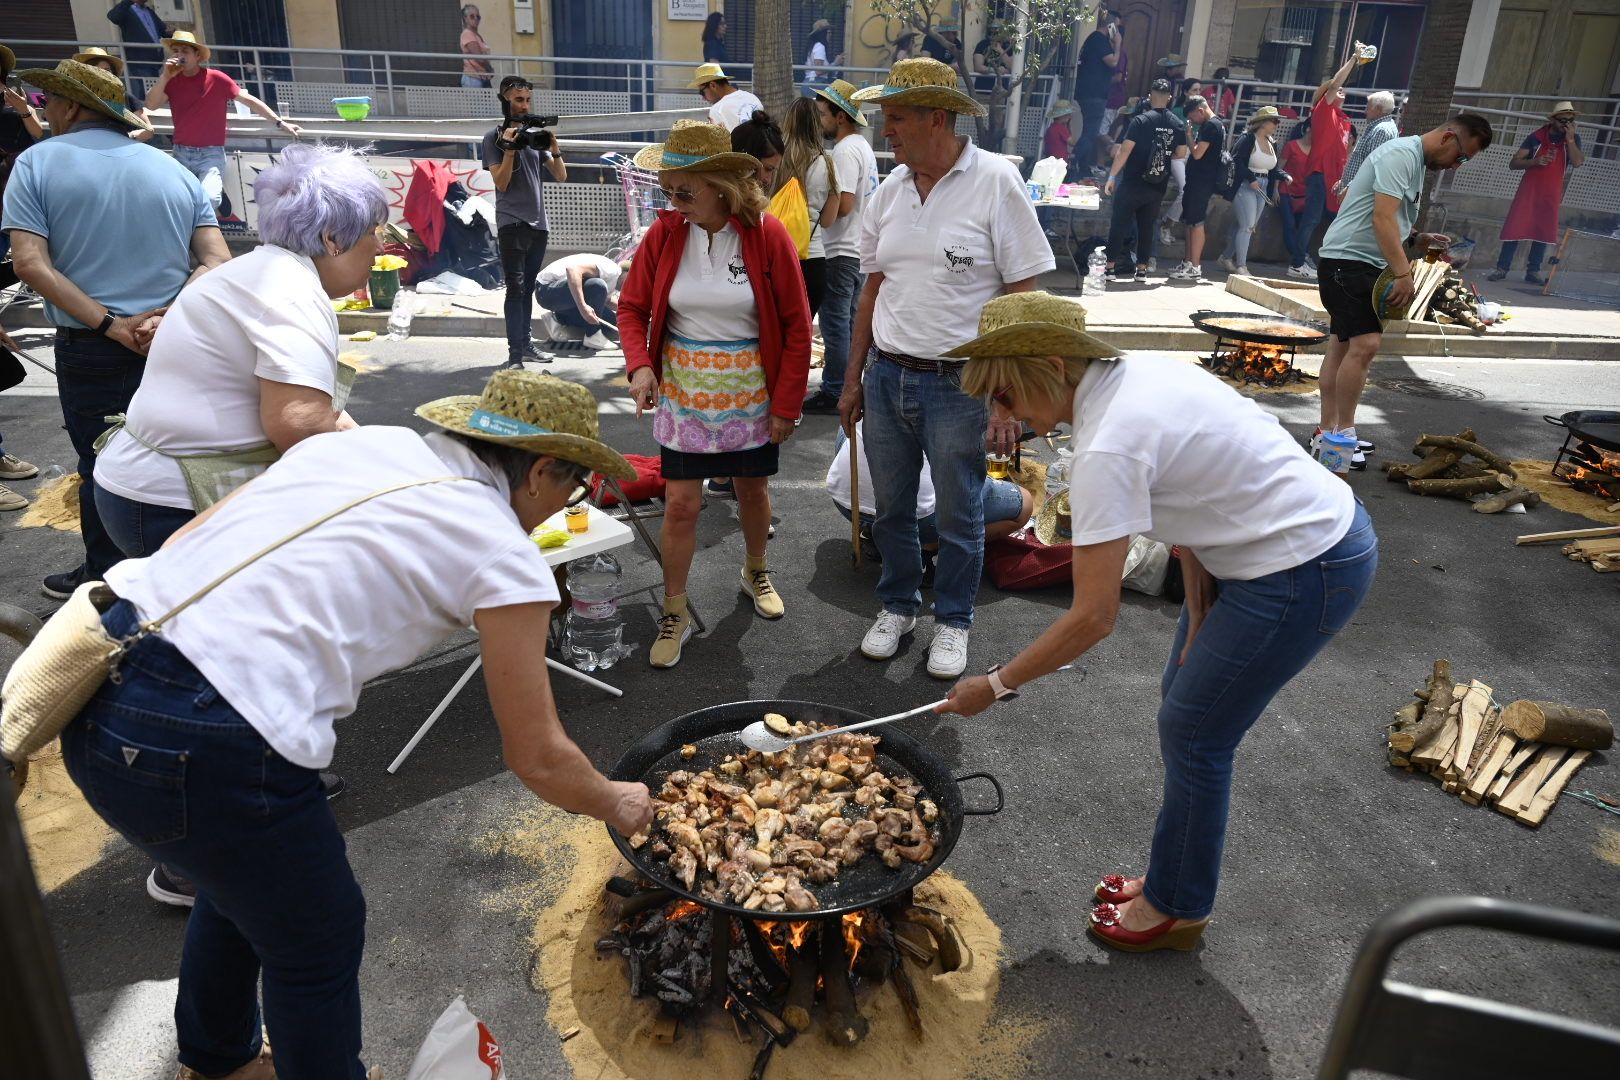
[581, 477]
[687, 197]
[1000, 397]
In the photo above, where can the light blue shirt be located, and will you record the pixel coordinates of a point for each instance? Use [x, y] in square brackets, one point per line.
[1394, 169]
[117, 216]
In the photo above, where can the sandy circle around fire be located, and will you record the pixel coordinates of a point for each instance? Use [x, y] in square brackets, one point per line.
[569, 859]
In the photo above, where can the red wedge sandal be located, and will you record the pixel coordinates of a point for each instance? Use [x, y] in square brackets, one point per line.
[1111, 889]
[1105, 927]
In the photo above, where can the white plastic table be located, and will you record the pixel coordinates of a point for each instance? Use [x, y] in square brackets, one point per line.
[605, 534]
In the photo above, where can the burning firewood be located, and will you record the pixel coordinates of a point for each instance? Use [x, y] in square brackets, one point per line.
[801, 993]
[845, 1025]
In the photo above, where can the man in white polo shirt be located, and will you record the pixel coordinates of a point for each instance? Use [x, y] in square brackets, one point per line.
[950, 228]
[728, 106]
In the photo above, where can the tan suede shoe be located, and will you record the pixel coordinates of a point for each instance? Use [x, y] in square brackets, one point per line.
[767, 601]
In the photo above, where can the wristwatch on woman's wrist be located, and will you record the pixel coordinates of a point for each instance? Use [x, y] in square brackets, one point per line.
[1002, 691]
[107, 320]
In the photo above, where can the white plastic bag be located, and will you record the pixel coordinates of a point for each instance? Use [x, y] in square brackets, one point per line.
[1049, 173]
[458, 1048]
[1147, 564]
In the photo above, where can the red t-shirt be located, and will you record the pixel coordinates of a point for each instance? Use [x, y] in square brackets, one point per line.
[1057, 138]
[1330, 146]
[1294, 163]
[199, 104]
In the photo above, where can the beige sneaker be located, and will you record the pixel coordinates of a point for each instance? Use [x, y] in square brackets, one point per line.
[674, 627]
[15, 468]
[767, 601]
[10, 500]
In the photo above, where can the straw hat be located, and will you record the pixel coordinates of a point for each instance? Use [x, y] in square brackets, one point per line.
[8, 61]
[186, 37]
[95, 89]
[1261, 115]
[695, 146]
[841, 93]
[706, 74]
[1046, 522]
[534, 412]
[924, 82]
[1562, 107]
[96, 52]
[820, 24]
[1171, 62]
[1034, 324]
[1060, 107]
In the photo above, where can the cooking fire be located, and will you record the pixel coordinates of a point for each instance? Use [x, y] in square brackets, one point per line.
[1588, 468]
[1254, 364]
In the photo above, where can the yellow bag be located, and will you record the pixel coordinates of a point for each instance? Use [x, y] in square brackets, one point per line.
[789, 207]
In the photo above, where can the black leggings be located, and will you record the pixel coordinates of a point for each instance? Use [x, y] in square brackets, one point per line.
[523, 253]
[815, 282]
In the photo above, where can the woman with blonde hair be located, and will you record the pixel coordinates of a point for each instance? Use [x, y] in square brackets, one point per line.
[1276, 552]
[807, 161]
[716, 338]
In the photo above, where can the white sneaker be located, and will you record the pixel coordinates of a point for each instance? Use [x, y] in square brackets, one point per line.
[1228, 265]
[1166, 237]
[1242, 271]
[1185, 272]
[883, 640]
[947, 656]
[1152, 267]
[598, 341]
[1305, 272]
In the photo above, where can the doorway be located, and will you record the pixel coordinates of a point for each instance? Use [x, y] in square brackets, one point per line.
[1395, 29]
[617, 29]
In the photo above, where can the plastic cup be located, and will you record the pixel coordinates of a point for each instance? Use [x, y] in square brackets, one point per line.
[997, 466]
[578, 519]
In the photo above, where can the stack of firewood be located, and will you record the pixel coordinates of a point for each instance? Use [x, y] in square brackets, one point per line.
[1518, 758]
[1443, 470]
[1601, 555]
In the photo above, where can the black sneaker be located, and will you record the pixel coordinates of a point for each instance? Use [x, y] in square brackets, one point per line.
[821, 403]
[168, 887]
[531, 351]
[61, 586]
[333, 785]
[719, 487]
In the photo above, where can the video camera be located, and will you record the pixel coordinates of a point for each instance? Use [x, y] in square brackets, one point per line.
[533, 132]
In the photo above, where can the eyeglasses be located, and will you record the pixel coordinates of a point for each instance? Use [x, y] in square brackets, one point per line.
[1000, 397]
[1462, 159]
[684, 196]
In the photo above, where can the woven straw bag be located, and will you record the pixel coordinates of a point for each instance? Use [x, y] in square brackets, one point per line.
[65, 665]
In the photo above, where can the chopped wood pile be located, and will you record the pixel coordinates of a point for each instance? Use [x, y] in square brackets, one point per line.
[1444, 469]
[1440, 295]
[1518, 758]
[1601, 555]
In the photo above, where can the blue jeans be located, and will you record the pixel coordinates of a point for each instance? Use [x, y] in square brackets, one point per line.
[180, 774]
[1258, 635]
[475, 82]
[207, 164]
[1247, 205]
[138, 528]
[95, 377]
[558, 300]
[1092, 112]
[1298, 226]
[909, 414]
[838, 306]
[1003, 500]
[1532, 262]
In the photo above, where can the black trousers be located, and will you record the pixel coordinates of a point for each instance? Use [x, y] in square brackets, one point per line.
[1136, 208]
[815, 282]
[523, 253]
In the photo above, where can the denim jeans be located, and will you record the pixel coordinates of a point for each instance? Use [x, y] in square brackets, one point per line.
[1299, 225]
[838, 305]
[1136, 206]
[95, 377]
[162, 758]
[138, 528]
[1258, 635]
[523, 253]
[475, 82]
[1092, 111]
[207, 164]
[558, 300]
[909, 414]
[1532, 262]
[1247, 205]
[1002, 502]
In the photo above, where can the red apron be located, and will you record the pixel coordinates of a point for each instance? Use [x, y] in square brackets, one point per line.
[1534, 213]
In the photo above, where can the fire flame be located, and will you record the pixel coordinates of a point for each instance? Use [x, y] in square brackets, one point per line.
[797, 932]
[1594, 470]
[852, 935]
[682, 909]
[1267, 363]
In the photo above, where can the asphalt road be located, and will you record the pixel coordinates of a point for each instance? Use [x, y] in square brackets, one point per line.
[1324, 836]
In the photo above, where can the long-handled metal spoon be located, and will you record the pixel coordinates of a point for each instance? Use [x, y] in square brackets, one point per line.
[757, 736]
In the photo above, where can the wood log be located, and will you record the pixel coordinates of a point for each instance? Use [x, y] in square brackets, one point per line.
[1471, 448]
[1560, 725]
[1476, 703]
[844, 1024]
[1474, 790]
[1486, 742]
[1464, 470]
[1473, 485]
[1524, 787]
[1542, 804]
[1497, 503]
[1437, 696]
[1606, 564]
[1432, 754]
[1523, 753]
[907, 990]
[916, 942]
[1567, 534]
[950, 945]
[1431, 466]
[1586, 550]
[1405, 718]
[801, 994]
[1427, 278]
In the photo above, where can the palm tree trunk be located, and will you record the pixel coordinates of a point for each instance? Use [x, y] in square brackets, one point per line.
[1434, 78]
[773, 56]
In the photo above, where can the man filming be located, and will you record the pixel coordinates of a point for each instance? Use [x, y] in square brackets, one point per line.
[514, 152]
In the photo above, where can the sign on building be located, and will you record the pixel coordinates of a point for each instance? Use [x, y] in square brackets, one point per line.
[690, 10]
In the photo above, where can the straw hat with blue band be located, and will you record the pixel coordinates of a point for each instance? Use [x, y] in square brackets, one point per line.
[695, 146]
[706, 74]
[840, 92]
[97, 90]
[539, 413]
[924, 82]
[186, 37]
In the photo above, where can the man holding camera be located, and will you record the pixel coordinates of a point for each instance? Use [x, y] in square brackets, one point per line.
[519, 153]
[1545, 156]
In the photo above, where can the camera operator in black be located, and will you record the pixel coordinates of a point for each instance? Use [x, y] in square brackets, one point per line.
[515, 153]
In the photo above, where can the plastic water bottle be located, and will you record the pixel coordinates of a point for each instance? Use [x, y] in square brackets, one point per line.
[399, 319]
[1096, 282]
[594, 637]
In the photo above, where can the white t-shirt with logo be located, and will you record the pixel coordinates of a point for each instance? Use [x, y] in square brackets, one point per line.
[734, 108]
[557, 273]
[261, 316]
[290, 640]
[856, 167]
[1166, 449]
[945, 258]
[712, 298]
[838, 480]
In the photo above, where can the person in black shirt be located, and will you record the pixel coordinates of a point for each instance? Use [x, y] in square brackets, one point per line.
[1205, 138]
[714, 39]
[1099, 55]
[945, 54]
[1137, 180]
[990, 60]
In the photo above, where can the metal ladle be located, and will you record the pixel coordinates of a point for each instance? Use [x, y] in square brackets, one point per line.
[757, 736]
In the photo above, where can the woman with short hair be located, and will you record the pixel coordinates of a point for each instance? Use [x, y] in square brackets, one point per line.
[716, 337]
[1276, 552]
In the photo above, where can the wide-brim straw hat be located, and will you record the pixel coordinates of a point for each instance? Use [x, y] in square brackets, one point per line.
[707, 73]
[186, 37]
[1561, 107]
[96, 52]
[1046, 522]
[1261, 115]
[1061, 107]
[925, 82]
[1174, 60]
[97, 90]
[1034, 324]
[695, 146]
[8, 61]
[529, 411]
[841, 93]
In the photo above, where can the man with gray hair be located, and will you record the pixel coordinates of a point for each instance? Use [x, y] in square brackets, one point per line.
[1381, 127]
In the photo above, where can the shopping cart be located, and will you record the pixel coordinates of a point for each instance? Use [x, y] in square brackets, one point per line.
[642, 201]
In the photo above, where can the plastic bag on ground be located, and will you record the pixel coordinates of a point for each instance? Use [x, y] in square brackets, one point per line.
[458, 1047]
[1147, 563]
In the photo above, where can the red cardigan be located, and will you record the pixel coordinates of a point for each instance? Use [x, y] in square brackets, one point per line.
[772, 259]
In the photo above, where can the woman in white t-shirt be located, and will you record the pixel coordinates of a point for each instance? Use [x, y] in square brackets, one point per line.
[807, 161]
[815, 59]
[244, 364]
[1277, 556]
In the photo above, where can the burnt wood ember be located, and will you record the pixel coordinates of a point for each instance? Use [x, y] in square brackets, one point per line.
[1589, 468]
[769, 968]
[844, 1023]
[1254, 364]
[801, 992]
